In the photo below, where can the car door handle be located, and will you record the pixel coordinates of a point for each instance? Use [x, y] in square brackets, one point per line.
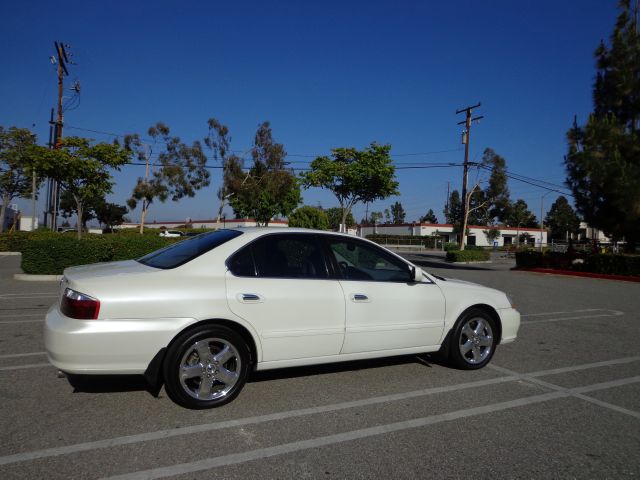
[359, 297]
[250, 298]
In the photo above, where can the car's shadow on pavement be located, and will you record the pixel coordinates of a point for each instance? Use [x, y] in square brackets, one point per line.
[136, 383]
[111, 384]
[263, 376]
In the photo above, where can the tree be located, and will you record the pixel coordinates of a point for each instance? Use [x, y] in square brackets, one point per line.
[68, 208]
[603, 162]
[496, 191]
[397, 212]
[268, 188]
[17, 166]
[182, 169]
[562, 219]
[110, 214]
[354, 175]
[335, 215]
[219, 142]
[453, 209]
[375, 217]
[309, 217]
[82, 169]
[429, 217]
[520, 216]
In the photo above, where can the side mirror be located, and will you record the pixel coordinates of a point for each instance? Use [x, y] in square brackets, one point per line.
[416, 274]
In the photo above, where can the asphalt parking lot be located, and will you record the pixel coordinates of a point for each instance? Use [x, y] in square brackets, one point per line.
[563, 401]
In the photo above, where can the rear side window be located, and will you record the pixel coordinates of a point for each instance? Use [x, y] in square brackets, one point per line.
[182, 252]
[281, 256]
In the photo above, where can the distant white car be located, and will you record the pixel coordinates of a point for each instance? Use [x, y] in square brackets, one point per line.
[171, 233]
[201, 313]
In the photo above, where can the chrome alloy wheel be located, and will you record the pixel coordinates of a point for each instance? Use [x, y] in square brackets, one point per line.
[476, 340]
[209, 369]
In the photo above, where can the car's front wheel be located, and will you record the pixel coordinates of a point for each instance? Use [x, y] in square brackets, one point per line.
[206, 367]
[473, 340]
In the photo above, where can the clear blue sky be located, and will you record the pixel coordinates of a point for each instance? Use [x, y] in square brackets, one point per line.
[325, 74]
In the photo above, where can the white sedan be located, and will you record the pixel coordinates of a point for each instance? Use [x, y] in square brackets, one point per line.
[202, 313]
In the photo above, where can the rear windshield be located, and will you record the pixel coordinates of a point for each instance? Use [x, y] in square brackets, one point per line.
[182, 252]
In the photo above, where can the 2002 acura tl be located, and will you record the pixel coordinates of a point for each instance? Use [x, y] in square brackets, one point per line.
[200, 314]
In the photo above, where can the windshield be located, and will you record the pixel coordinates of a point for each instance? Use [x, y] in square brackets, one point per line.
[182, 252]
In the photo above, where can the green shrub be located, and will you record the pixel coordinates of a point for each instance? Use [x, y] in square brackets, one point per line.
[15, 241]
[529, 259]
[606, 263]
[468, 255]
[613, 264]
[449, 246]
[51, 255]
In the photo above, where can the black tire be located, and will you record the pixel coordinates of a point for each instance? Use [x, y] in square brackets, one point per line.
[472, 341]
[206, 367]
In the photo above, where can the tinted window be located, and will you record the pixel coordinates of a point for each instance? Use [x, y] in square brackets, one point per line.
[360, 261]
[182, 252]
[281, 256]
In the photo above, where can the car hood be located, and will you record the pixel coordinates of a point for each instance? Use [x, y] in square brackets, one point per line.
[452, 287]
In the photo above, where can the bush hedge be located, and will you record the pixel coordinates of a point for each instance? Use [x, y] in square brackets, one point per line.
[51, 255]
[472, 255]
[605, 263]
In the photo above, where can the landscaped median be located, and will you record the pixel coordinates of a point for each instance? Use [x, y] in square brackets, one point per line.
[46, 253]
[596, 265]
[470, 255]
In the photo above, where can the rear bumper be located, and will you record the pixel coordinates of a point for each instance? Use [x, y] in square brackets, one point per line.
[124, 346]
[510, 324]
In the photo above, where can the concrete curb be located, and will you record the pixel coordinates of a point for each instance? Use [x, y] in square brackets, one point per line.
[571, 273]
[9, 254]
[36, 278]
[467, 263]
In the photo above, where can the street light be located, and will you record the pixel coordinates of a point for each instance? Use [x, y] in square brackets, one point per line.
[541, 217]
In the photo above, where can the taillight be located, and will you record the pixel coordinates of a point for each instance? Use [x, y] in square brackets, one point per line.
[78, 305]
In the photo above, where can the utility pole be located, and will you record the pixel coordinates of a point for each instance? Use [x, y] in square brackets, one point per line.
[62, 60]
[466, 136]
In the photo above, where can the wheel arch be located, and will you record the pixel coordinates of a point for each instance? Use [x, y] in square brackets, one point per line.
[153, 373]
[231, 325]
[493, 313]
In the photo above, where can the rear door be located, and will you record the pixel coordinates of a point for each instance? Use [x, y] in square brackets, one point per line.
[280, 284]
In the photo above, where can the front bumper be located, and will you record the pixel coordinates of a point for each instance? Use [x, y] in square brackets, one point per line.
[510, 318]
[123, 346]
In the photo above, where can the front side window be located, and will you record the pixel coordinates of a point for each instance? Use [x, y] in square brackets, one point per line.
[182, 252]
[360, 261]
[280, 256]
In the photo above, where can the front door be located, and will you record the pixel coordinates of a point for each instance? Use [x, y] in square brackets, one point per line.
[385, 310]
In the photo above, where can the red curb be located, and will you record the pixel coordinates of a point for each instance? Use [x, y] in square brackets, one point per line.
[571, 273]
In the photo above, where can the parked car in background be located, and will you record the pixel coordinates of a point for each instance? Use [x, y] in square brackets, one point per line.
[202, 313]
[171, 233]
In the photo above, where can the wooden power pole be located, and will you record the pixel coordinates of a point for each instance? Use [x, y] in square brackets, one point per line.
[62, 60]
[466, 136]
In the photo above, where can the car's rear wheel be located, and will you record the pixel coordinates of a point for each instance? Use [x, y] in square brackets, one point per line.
[206, 367]
[473, 340]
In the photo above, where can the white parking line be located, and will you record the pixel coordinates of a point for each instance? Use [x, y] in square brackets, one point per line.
[9, 322]
[23, 367]
[17, 355]
[207, 427]
[608, 313]
[547, 314]
[317, 442]
[578, 391]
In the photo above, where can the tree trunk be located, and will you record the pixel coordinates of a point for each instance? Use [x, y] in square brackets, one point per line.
[3, 211]
[80, 214]
[145, 207]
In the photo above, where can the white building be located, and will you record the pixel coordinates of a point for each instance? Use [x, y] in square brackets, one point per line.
[477, 234]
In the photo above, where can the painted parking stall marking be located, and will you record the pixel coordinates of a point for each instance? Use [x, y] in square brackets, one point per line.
[571, 315]
[558, 392]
